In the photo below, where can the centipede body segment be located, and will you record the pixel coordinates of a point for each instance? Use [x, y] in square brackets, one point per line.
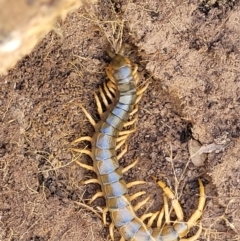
[110, 137]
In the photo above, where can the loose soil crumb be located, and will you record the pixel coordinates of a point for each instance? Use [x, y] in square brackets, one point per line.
[190, 52]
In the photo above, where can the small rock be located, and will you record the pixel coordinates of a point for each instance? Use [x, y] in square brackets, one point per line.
[193, 148]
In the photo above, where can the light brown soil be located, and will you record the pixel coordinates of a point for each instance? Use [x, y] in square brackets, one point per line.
[191, 52]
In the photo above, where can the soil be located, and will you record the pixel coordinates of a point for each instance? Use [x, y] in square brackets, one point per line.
[189, 51]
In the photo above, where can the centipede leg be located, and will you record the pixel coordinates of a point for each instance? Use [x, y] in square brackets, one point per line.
[91, 120]
[112, 87]
[120, 155]
[131, 184]
[125, 169]
[146, 215]
[95, 196]
[134, 111]
[83, 138]
[120, 144]
[98, 103]
[92, 180]
[198, 213]
[88, 167]
[131, 122]
[140, 204]
[152, 218]
[194, 237]
[109, 75]
[121, 138]
[135, 74]
[84, 151]
[141, 91]
[127, 132]
[136, 195]
[166, 209]
[111, 231]
[104, 214]
[103, 97]
[175, 204]
[108, 92]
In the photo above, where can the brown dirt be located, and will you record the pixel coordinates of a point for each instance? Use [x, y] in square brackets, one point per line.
[190, 50]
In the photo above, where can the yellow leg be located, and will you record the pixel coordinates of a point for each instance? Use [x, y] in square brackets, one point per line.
[127, 132]
[121, 143]
[194, 237]
[112, 87]
[111, 231]
[104, 215]
[160, 218]
[136, 195]
[120, 155]
[131, 122]
[135, 69]
[140, 204]
[125, 169]
[103, 97]
[146, 215]
[108, 92]
[99, 106]
[83, 138]
[166, 209]
[151, 220]
[134, 111]
[109, 75]
[91, 120]
[175, 204]
[92, 180]
[135, 74]
[88, 167]
[84, 151]
[97, 195]
[143, 89]
[140, 92]
[124, 137]
[131, 184]
[201, 203]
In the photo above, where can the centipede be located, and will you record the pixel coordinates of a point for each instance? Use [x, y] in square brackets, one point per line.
[120, 97]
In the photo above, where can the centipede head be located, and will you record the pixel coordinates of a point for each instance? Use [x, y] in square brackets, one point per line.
[119, 61]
